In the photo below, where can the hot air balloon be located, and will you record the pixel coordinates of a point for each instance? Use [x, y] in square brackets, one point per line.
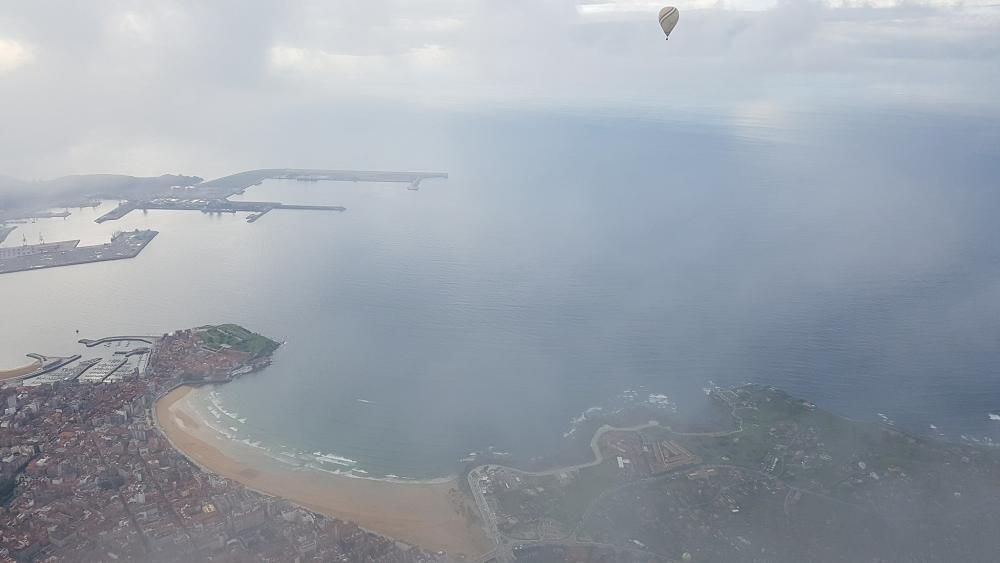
[668, 19]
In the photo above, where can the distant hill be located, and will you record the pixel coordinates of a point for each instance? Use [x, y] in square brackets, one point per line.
[17, 194]
[9, 185]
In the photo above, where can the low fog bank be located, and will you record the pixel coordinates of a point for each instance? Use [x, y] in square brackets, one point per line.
[72, 191]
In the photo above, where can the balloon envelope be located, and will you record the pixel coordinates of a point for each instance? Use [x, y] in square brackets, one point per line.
[668, 19]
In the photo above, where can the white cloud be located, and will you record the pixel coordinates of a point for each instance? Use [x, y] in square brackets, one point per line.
[157, 70]
[566, 51]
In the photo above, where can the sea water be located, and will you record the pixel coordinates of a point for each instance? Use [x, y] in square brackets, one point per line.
[847, 257]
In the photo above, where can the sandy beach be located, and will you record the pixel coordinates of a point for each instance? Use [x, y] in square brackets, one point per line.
[425, 515]
[18, 372]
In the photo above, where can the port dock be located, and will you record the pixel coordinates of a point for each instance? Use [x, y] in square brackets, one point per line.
[68, 253]
[4, 232]
[213, 196]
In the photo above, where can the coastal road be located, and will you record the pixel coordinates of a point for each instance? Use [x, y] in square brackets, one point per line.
[489, 517]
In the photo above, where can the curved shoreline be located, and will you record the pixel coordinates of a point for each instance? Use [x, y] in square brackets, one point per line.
[21, 371]
[426, 515]
[295, 463]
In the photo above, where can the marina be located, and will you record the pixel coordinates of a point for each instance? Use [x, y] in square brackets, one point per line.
[102, 370]
[107, 360]
[42, 366]
[64, 374]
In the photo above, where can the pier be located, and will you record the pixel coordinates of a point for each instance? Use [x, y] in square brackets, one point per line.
[311, 207]
[108, 339]
[236, 183]
[122, 210]
[46, 215]
[255, 208]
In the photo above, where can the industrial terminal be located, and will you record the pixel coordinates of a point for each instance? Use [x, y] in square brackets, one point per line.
[67, 253]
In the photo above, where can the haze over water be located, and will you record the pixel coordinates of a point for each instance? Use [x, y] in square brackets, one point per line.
[847, 258]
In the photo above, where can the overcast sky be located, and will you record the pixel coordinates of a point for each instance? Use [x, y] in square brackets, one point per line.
[147, 87]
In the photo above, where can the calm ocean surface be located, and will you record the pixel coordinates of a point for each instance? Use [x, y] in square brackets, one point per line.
[849, 258]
